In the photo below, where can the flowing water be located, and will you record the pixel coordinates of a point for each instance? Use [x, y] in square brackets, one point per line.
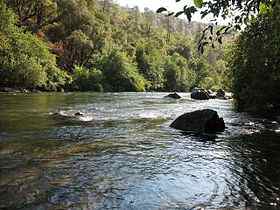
[122, 154]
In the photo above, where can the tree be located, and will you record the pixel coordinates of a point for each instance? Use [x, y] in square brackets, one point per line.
[25, 60]
[178, 75]
[240, 11]
[150, 64]
[121, 74]
[78, 49]
[87, 79]
[79, 35]
[255, 73]
[34, 13]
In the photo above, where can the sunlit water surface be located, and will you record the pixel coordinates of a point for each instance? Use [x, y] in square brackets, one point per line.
[123, 155]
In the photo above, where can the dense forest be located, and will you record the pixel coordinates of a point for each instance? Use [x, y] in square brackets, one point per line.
[99, 46]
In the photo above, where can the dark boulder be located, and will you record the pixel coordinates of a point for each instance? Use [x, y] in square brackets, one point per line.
[173, 95]
[200, 94]
[200, 121]
[221, 94]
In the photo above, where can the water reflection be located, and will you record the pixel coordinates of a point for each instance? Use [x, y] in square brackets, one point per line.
[126, 156]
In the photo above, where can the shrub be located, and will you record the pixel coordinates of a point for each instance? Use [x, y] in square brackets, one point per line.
[121, 74]
[177, 73]
[87, 79]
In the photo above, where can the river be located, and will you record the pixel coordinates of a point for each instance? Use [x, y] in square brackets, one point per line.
[123, 155]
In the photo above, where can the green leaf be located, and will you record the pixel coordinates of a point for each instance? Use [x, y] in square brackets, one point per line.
[198, 3]
[263, 8]
[161, 9]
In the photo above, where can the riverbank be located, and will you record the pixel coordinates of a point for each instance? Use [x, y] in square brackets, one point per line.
[25, 90]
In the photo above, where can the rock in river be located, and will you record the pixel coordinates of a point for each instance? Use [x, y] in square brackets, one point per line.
[173, 95]
[200, 121]
[200, 94]
[220, 93]
[79, 114]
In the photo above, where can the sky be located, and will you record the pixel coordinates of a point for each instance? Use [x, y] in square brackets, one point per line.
[171, 5]
[153, 4]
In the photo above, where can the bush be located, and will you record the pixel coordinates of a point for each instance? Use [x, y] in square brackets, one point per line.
[87, 79]
[121, 74]
[178, 76]
[150, 64]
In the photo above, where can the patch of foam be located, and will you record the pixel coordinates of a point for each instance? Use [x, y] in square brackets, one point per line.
[150, 115]
[277, 130]
[86, 118]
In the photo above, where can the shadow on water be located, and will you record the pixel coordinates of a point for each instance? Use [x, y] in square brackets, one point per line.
[204, 137]
[255, 168]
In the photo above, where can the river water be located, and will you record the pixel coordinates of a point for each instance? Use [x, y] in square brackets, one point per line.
[123, 155]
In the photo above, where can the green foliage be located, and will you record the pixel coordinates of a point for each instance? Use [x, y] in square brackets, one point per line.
[99, 45]
[87, 79]
[25, 60]
[150, 63]
[178, 75]
[7, 18]
[198, 3]
[240, 12]
[199, 66]
[33, 14]
[78, 48]
[254, 62]
[121, 74]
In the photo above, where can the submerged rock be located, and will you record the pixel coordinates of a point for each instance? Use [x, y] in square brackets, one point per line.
[173, 95]
[200, 121]
[200, 94]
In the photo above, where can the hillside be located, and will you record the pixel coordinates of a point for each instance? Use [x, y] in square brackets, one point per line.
[100, 46]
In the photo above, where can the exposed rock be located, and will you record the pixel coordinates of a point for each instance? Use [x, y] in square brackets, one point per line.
[173, 95]
[212, 96]
[23, 90]
[210, 92]
[221, 94]
[200, 121]
[200, 94]
[79, 114]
